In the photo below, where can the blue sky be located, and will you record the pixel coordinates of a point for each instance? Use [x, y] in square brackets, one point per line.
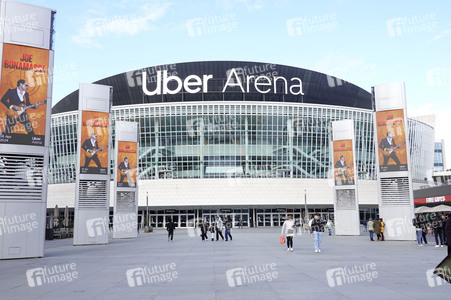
[364, 42]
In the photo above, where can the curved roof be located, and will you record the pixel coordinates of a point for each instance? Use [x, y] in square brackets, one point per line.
[317, 87]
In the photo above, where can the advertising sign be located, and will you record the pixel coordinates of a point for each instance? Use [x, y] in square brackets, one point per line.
[94, 143]
[391, 139]
[127, 160]
[343, 162]
[23, 92]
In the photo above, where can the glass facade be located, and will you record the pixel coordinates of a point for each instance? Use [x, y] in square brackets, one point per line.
[438, 157]
[212, 140]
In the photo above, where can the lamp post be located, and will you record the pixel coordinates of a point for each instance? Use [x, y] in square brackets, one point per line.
[147, 209]
[305, 206]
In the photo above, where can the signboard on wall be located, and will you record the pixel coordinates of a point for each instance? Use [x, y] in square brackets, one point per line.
[343, 162]
[391, 138]
[94, 143]
[23, 91]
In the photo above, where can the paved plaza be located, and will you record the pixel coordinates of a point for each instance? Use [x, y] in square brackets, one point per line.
[252, 266]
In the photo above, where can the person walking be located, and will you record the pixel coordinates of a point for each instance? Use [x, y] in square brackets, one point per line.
[377, 229]
[437, 224]
[241, 223]
[365, 226]
[228, 227]
[448, 234]
[317, 232]
[424, 229]
[204, 230]
[218, 228]
[329, 226]
[444, 220]
[288, 228]
[212, 231]
[419, 230]
[170, 227]
[382, 230]
[370, 226]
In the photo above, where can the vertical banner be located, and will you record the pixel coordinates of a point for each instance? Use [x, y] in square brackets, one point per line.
[94, 140]
[92, 200]
[394, 182]
[346, 203]
[127, 163]
[125, 219]
[343, 162]
[23, 91]
[391, 137]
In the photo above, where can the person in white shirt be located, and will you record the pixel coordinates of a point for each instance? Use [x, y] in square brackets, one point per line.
[288, 229]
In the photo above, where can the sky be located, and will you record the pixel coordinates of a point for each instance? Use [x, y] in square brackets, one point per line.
[364, 42]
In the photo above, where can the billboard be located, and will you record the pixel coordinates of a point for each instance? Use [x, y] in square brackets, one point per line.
[94, 142]
[127, 163]
[23, 92]
[391, 139]
[343, 162]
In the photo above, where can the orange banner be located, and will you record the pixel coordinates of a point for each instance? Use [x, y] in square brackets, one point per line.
[127, 164]
[94, 142]
[343, 162]
[23, 88]
[391, 139]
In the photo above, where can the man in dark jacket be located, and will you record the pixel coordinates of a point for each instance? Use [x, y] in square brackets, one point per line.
[204, 229]
[448, 234]
[317, 231]
[170, 228]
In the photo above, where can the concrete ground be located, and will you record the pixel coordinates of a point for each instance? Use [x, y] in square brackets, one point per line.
[253, 265]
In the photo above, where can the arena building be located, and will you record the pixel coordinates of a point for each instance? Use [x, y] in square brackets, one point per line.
[244, 139]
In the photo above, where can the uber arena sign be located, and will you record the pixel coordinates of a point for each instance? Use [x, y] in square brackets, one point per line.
[193, 84]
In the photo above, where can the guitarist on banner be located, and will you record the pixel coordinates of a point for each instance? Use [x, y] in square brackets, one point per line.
[341, 166]
[388, 145]
[15, 100]
[91, 147]
[124, 167]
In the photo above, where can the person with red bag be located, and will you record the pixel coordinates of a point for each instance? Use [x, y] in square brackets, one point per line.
[288, 232]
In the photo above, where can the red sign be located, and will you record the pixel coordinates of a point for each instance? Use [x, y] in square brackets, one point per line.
[436, 199]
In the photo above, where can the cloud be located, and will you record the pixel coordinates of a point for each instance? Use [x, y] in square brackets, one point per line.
[119, 25]
[248, 4]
